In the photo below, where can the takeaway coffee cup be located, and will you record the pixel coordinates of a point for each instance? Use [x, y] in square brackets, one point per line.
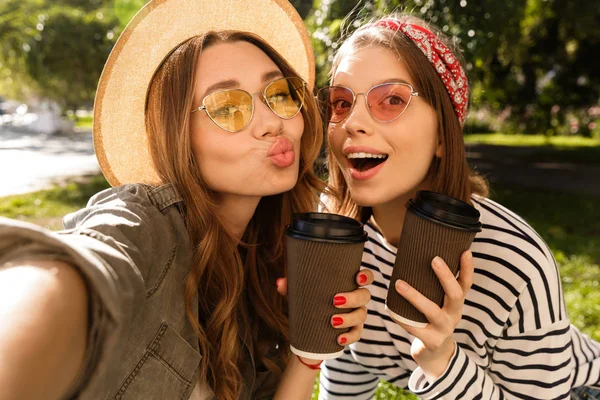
[434, 225]
[324, 252]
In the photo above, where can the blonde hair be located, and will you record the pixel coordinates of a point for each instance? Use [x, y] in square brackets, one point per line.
[451, 175]
[224, 274]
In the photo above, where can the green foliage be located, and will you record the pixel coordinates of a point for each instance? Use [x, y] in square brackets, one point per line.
[55, 49]
[125, 10]
[534, 61]
[68, 70]
[17, 20]
[302, 6]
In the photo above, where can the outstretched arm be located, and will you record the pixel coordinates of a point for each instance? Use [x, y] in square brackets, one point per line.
[43, 345]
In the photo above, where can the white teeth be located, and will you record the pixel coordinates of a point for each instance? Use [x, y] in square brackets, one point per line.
[366, 155]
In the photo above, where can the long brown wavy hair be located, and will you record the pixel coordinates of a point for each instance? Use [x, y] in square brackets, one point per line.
[225, 274]
[450, 174]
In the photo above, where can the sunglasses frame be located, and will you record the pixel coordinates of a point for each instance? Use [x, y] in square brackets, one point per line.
[263, 100]
[366, 96]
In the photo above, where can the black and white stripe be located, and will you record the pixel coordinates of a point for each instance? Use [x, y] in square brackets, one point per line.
[514, 340]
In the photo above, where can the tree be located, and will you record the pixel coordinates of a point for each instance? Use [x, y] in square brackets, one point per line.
[55, 49]
[17, 20]
[533, 61]
[302, 6]
[67, 60]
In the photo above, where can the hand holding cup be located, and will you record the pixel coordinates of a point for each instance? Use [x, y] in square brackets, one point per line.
[433, 346]
[435, 227]
[324, 253]
[356, 300]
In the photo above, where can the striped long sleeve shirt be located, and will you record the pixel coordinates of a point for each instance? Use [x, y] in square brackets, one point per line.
[514, 340]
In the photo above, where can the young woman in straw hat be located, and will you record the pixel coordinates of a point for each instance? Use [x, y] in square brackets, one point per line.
[164, 287]
[503, 331]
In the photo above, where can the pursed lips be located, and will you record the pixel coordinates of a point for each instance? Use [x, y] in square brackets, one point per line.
[281, 152]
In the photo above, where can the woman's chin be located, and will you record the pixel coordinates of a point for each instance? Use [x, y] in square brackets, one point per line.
[364, 199]
[370, 198]
[280, 187]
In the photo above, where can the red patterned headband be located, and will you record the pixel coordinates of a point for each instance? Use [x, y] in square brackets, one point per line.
[440, 56]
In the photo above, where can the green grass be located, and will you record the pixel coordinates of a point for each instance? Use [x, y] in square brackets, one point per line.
[47, 207]
[502, 139]
[540, 148]
[385, 391]
[569, 223]
[83, 122]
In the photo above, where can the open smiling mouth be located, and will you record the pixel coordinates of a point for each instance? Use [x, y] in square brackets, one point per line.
[365, 161]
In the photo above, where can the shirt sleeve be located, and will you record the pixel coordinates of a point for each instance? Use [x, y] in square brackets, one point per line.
[116, 243]
[586, 355]
[531, 364]
[344, 378]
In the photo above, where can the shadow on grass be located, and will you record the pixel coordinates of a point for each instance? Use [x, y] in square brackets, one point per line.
[569, 223]
[573, 155]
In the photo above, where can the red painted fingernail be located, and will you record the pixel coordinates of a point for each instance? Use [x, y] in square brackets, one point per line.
[277, 282]
[337, 321]
[343, 340]
[339, 300]
[362, 278]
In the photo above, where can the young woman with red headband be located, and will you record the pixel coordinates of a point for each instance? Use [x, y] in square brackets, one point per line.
[164, 286]
[396, 110]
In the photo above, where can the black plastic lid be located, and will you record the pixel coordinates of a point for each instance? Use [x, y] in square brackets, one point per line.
[324, 227]
[445, 210]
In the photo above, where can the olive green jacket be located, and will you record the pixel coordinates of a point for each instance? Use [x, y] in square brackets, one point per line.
[131, 246]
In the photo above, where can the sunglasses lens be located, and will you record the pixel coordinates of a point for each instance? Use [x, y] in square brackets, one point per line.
[388, 101]
[230, 109]
[285, 96]
[335, 103]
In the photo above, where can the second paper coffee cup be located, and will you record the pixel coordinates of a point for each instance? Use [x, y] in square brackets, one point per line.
[324, 252]
[434, 225]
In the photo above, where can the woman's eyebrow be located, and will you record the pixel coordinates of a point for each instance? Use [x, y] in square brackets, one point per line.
[394, 80]
[269, 76]
[381, 82]
[228, 84]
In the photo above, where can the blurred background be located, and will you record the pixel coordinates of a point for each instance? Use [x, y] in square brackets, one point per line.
[533, 128]
[533, 63]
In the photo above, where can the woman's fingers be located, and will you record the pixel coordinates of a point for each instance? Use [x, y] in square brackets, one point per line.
[281, 284]
[453, 290]
[347, 320]
[365, 277]
[358, 298]
[467, 270]
[421, 303]
[353, 335]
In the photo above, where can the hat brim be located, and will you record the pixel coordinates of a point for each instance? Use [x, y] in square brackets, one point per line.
[120, 139]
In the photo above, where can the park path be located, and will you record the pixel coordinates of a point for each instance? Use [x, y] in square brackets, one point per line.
[30, 161]
[505, 165]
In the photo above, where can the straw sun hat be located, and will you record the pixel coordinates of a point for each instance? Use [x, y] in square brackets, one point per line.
[120, 140]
